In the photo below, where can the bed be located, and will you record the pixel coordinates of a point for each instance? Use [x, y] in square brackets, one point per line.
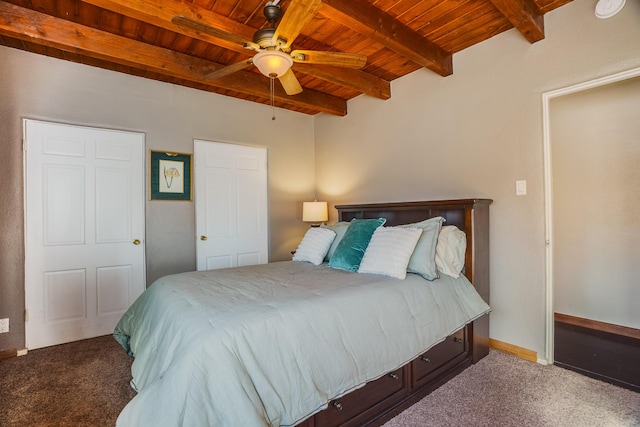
[293, 343]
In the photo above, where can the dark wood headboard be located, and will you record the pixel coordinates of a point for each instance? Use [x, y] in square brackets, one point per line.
[469, 215]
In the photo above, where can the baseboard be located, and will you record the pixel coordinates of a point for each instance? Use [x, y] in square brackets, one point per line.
[514, 350]
[8, 354]
[12, 352]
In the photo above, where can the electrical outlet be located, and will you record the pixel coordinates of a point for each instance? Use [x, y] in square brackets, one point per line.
[4, 325]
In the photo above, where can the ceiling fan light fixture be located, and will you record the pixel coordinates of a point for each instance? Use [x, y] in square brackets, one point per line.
[272, 62]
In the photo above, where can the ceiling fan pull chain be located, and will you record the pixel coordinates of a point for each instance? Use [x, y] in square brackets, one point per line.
[272, 79]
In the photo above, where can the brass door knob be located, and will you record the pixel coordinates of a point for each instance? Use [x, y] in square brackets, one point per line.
[136, 242]
[203, 237]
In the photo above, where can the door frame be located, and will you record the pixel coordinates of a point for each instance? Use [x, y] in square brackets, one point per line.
[548, 195]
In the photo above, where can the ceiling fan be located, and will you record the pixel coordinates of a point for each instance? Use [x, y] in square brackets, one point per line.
[274, 57]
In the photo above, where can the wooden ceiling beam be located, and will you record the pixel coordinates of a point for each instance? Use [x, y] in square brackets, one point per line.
[348, 77]
[524, 16]
[160, 15]
[383, 28]
[31, 26]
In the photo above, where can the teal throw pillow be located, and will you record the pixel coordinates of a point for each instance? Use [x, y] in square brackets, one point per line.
[350, 250]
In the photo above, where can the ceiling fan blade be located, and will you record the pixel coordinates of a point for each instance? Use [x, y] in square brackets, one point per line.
[337, 59]
[229, 69]
[290, 83]
[192, 24]
[297, 15]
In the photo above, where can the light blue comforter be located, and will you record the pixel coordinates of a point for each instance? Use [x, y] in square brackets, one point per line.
[271, 344]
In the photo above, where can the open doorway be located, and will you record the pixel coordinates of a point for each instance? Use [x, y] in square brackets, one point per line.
[592, 176]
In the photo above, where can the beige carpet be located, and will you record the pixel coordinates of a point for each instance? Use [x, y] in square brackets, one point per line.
[87, 384]
[503, 390]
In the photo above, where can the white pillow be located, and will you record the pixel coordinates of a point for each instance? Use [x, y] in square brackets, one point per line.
[314, 245]
[340, 228]
[423, 259]
[450, 250]
[389, 251]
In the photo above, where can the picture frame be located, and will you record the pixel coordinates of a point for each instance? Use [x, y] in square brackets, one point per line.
[170, 176]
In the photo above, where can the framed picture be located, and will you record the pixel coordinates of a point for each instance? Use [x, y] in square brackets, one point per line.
[170, 176]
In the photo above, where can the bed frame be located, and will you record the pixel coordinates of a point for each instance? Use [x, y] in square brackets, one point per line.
[382, 399]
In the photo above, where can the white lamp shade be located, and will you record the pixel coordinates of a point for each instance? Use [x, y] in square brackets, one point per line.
[315, 211]
[272, 63]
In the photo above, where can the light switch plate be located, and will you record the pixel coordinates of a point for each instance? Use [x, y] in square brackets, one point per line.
[4, 326]
[521, 188]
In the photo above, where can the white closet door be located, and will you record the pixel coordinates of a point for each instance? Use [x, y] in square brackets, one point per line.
[84, 230]
[231, 205]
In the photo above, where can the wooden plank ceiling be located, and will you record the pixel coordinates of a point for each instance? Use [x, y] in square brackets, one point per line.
[138, 37]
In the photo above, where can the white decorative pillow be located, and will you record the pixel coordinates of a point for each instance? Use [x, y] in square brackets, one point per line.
[450, 250]
[314, 245]
[389, 251]
[340, 228]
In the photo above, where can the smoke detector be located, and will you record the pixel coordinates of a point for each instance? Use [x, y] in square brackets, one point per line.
[608, 8]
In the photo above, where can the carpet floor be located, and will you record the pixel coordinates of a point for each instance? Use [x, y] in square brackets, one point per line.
[503, 390]
[86, 384]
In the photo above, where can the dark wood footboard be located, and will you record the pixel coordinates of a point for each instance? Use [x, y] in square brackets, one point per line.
[381, 399]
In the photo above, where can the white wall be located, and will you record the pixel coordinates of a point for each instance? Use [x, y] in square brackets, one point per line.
[37, 87]
[473, 134]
